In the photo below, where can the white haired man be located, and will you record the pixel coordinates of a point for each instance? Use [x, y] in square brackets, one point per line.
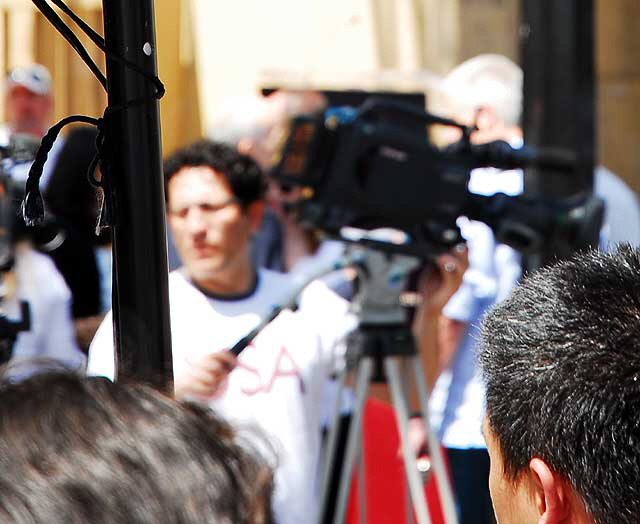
[486, 91]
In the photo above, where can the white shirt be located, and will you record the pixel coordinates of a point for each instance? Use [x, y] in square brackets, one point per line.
[278, 385]
[52, 334]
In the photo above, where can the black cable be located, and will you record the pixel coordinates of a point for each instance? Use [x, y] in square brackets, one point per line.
[86, 28]
[33, 205]
[70, 37]
[97, 39]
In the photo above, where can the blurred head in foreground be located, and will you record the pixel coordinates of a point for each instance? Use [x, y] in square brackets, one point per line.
[78, 450]
[561, 360]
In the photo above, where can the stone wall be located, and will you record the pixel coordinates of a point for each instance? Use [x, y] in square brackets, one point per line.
[459, 29]
[618, 66]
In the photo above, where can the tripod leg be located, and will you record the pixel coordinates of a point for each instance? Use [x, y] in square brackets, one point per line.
[362, 484]
[410, 517]
[407, 376]
[437, 460]
[364, 372]
[416, 488]
[330, 462]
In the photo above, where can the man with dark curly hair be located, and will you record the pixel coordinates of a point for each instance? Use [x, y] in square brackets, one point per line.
[214, 205]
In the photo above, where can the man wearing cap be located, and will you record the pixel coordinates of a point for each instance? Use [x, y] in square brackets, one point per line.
[29, 100]
[29, 103]
[28, 277]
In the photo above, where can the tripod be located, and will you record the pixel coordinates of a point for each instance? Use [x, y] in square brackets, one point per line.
[382, 337]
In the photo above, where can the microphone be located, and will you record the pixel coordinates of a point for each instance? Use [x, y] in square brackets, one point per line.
[502, 155]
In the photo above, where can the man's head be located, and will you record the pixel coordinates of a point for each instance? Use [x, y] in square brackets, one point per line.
[257, 127]
[214, 204]
[485, 90]
[246, 123]
[28, 99]
[561, 361]
[79, 450]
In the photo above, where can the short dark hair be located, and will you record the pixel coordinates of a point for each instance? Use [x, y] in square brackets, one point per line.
[243, 175]
[76, 450]
[561, 361]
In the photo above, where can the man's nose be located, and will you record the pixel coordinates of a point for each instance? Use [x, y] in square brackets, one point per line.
[195, 221]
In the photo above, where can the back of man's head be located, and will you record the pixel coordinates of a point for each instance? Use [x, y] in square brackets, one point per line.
[84, 450]
[484, 81]
[561, 360]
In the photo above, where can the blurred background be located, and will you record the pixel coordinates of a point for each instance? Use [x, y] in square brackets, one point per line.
[209, 50]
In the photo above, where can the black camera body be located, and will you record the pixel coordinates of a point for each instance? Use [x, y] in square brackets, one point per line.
[21, 149]
[375, 167]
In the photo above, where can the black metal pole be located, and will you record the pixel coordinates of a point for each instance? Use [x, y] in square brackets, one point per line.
[135, 190]
[557, 41]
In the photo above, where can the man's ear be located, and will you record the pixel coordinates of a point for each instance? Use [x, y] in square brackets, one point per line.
[551, 494]
[254, 212]
[486, 118]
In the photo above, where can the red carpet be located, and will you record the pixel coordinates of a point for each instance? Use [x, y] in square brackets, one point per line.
[386, 487]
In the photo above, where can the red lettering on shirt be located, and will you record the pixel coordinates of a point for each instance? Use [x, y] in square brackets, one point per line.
[285, 368]
[289, 371]
[259, 384]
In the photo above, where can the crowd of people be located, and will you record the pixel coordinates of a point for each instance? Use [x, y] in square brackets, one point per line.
[534, 380]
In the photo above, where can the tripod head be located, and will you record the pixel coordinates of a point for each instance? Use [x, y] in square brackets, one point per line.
[383, 325]
[383, 278]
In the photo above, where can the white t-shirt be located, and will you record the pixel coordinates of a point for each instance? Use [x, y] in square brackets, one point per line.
[51, 335]
[278, 385]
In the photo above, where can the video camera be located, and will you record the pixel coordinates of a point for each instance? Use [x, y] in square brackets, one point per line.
[20, 150]
[375, 167]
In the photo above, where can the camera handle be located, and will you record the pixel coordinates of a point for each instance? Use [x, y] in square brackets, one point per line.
[381, 339]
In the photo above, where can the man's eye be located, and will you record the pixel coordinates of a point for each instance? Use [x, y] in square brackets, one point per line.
[212, 208]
